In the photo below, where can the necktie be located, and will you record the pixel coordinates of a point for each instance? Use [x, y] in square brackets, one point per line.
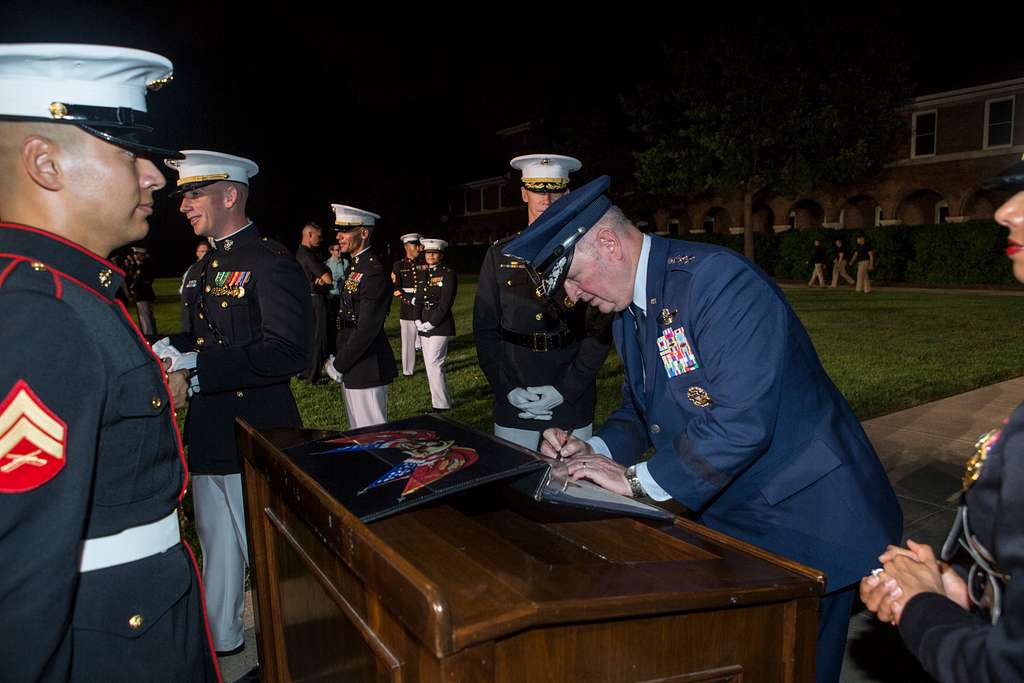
[640, 323]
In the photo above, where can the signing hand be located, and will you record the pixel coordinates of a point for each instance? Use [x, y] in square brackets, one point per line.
[603, 471]
[557, 443]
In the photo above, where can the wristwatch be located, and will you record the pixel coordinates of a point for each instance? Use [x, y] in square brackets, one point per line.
[636, 489]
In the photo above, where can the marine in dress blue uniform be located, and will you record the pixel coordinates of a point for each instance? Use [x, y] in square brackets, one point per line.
[405, 276]
[541, 355]
[96, 583]
[435, 323]
[364, 364]
[248, 330]
[723, 382]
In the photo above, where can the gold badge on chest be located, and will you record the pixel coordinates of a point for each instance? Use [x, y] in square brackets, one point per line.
[698, 397]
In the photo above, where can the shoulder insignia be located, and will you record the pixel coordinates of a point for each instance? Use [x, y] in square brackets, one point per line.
[274, 247]
[33, 441]
[977, 461]
[35, 276]
[681, 260]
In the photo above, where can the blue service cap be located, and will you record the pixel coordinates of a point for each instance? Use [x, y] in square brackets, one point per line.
[547, 245]
[1011, 178]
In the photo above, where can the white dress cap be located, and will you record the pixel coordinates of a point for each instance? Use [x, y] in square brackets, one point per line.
[99, 88]
[201, 167]
[546, 172]
[37, 76]
[410, 237]
[433, 245]
[351, 217]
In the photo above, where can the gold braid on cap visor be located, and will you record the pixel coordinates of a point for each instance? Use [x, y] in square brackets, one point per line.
[546, 184]
[202, 178]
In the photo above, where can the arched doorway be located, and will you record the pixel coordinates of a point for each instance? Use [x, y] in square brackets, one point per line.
[806, 214]
[859, 212]
[918, 207]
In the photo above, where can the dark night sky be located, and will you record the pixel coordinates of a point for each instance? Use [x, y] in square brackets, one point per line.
[386, 113]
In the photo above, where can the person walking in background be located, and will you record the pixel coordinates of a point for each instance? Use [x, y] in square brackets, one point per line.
[818, 261]
[864, 257]
[839, 262]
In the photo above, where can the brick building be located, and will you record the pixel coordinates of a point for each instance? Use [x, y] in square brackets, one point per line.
[953, 140]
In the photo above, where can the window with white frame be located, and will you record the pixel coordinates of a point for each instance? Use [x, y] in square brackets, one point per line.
[941, 212]
[922, 143]
[999, 122]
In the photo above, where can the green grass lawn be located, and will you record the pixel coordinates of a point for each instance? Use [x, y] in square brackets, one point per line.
[885, 351]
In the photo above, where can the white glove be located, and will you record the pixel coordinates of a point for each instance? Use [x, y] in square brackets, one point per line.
[426, 327]
[520, 398]
[547, 398]
[331, 371]
[419, 325]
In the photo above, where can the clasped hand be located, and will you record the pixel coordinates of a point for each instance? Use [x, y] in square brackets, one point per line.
[906, 573]
[536, 403]
[583, 462]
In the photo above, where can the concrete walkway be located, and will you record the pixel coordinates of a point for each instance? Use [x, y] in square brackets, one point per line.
[923, 450]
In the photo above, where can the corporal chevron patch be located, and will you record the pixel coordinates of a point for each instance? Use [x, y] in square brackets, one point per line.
[33, 441]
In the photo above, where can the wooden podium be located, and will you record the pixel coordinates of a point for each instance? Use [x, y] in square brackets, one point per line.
[490, 586]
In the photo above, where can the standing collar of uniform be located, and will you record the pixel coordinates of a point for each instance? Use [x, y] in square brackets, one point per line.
[64, 256]
[238, 237]
[640, 278]
[355, 257]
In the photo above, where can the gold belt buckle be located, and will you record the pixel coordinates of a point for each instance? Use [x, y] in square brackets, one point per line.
[540, 347]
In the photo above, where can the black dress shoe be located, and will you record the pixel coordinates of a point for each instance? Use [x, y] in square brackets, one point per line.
[229, 653]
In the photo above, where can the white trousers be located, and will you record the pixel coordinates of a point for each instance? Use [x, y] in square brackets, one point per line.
[220, 521]
[530, 439]
[435, 351]
[365, 407]
[410, 342]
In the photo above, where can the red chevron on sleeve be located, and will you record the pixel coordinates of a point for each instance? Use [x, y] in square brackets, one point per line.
[33, 441]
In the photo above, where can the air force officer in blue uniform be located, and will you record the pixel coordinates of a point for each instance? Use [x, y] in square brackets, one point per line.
[723, 382]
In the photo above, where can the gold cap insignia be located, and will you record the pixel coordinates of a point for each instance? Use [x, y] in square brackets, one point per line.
[58, 110]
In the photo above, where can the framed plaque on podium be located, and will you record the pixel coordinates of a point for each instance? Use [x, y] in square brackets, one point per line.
[484, 583]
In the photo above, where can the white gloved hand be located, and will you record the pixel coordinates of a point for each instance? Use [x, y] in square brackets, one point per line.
[331, 371]
[520, 398]
[419, 325]
[547, 398]
[426, 327]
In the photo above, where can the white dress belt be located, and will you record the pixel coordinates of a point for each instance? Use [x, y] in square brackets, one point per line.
[130, 545]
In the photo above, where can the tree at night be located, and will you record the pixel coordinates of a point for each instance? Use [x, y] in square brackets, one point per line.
[772, 109]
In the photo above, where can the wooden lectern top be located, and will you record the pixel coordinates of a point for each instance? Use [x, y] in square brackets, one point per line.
[488, 563]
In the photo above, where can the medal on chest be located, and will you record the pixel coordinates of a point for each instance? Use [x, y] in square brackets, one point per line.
[676, 353]
[231, 283]
[352, 282]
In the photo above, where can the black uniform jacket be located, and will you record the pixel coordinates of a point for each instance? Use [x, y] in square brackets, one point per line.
[88, 448]
[313, 267]
[506, 299]
[955, 645]
[364, 355]
[435, 298]
[406, 274]
[248, 314]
